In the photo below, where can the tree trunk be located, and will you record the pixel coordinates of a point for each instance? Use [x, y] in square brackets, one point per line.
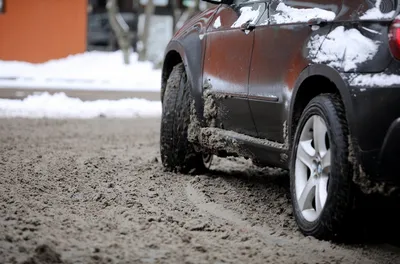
[175, 14]
[120, 29]
[187, 14]
[197, 5]
[149, 11]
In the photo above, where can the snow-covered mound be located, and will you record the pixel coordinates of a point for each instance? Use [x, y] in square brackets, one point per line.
[60, 106]
[94, 70]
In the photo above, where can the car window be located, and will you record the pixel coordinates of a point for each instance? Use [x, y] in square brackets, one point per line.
[238, 2]
[300, 11]
[94, 22]
[248, 13]
[330, 5]
[369, 9]
[1, 6]
[236, 15]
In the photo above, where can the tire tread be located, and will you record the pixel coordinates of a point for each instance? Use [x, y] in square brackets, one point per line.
[177, 153]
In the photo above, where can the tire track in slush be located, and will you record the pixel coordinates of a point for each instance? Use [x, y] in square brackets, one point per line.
[219, 211]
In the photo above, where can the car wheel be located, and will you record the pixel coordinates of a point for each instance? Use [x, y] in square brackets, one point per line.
[320, 171]
[177, 153]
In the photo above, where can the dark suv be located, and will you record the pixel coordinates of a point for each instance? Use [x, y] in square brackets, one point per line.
[312, 86]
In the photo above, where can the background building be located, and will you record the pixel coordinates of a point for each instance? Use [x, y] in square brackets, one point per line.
[40, 30]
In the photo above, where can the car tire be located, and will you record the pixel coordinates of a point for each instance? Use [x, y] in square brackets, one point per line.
[177, 153]
[320, 171]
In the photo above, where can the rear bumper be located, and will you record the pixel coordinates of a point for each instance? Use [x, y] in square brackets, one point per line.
[389, 156]
[374, 120]
[373, 112]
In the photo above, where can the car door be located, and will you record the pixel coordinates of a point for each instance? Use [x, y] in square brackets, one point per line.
[227, 59]
[281, 52]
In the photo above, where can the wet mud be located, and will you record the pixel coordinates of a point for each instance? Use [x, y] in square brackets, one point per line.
[94, 191]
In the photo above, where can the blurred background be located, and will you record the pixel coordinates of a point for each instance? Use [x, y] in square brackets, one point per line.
[87, 49]
[37, 31]
[147, 25]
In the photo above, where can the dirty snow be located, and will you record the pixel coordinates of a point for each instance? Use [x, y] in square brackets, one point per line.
[217, 22]
[247, 14]
[375, 80]
[94, 70]
[375, 13]
[342, 48]
[289, 14]
[60, 106]
[94, 191]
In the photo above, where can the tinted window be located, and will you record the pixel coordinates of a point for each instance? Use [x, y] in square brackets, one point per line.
[301, 11]
[238, 2]
[2, 6]
[233, 17]
[368, 9]
[330, 5]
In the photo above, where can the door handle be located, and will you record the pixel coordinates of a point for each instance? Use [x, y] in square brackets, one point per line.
[247, 26]
[316, 23]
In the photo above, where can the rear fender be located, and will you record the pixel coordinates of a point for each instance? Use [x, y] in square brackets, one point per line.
[335, 77]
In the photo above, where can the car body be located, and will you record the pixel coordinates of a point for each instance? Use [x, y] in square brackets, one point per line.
[265, 61]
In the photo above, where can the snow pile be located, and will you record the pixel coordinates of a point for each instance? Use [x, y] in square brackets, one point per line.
[375, 13]
[247, 14]
[289, 14]
[342, 48]
[93, 70]
[375, 80]
[61, 106]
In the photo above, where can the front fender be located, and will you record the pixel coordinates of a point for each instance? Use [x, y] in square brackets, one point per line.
[190, 44]
[193, 62]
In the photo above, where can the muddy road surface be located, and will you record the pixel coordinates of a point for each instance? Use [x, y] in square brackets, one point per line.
[94, 191]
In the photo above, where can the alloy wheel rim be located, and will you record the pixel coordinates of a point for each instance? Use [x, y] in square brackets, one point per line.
[312, 168]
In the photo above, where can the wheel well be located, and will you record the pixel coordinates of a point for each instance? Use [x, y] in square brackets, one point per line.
[171, 59]
[310, 88]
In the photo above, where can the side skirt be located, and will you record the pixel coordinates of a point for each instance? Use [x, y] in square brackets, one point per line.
[228, 143]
